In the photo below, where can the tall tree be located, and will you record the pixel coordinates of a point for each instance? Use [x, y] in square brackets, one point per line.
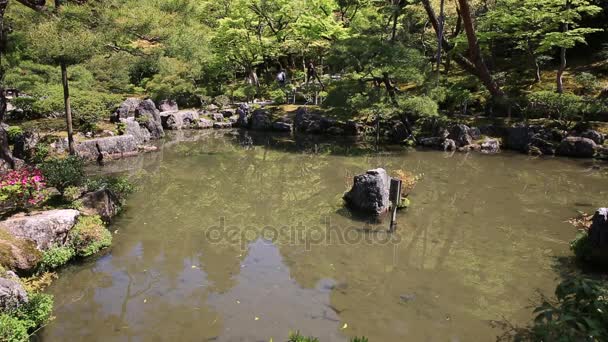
[473, 63]
[63, 39]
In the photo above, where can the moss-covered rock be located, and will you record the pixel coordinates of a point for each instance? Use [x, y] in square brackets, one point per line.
[18, 254]
[89, 236]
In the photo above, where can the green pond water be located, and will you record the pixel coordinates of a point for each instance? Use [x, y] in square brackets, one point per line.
[227, 243]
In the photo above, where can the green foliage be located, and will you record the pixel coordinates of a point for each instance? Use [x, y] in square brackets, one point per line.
[15, 325]
[564, 107]
[41, 152]
[579, 314]
[88, 107]
[56, 256]
[12, 329]
[89, 236]
[222, 101]
[63, 172]
[419, 106]
[296, 337]
[72, 193]
[588, 82]
[172, 82]
[580, 246]
[14, 132]
[121, 187]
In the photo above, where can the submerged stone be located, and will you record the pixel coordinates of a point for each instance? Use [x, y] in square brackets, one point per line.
[12, 294]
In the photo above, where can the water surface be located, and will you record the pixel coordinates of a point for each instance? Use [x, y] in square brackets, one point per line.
[483, 235]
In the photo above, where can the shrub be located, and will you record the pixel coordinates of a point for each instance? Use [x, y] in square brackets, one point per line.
[588, 82]
[278, 96]
[72, 193]
[55, 257]
[89, 236]
[64, 172]
[15, 325]
[40, 153]
[22, 188]
[14, 132]
[579, 314]
[580, 246]
[119, 186]
[12, 329]
[221, 101]
[564, 107]
[419, 106]
[88, 107]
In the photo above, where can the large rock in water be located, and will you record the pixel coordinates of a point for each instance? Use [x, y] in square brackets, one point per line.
[598, 236]
[46, 229]
[101, 202]
[108, 148]
[370, 192]
[140, 134]
[167, 106]
[126, 109]
[260, 120]
[12, 294]
[179, 119]
[577, 147]
[150, 118]
[461, 136]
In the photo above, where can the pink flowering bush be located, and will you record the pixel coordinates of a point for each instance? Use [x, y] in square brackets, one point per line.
[22, 188]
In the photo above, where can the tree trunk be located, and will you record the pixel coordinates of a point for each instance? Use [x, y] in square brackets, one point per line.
[475, 51]
[562, 59]
[5, 152]
[68, 109]
[440, 37]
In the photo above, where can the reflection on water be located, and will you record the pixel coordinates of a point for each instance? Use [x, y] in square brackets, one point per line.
[481, 238]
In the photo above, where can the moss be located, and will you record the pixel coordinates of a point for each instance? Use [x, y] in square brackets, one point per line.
[7, 246]
[89, 236]
[580, 246]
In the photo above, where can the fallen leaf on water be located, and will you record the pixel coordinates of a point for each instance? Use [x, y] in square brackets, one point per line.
[193, 266]
[145, 300]
[238, 302]
[257, 318]
[345, 326]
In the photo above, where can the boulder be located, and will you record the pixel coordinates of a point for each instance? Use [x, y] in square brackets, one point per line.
[352, 128]
[370, 192]
[60, 145]
[217, 117]
[24, 144]
[449, 145]
[204, 123]
[133, 128]
[433, 142]
[179, 119]
[518, 138]
[490, 146]
[539, 146]
[222, 124]
[168, 106]
[108, 148]
[18, 254]
[126, 109]
[460, 134]
[475, 133]
[45, 229]
[149, 117]
[12, 294]
[281, 126]
[577, 147]
[596, 136]
[228, 112]
[598, 236]
[102, 202]
[260, 120]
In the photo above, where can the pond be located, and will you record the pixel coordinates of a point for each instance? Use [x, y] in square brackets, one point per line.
[226, 242]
